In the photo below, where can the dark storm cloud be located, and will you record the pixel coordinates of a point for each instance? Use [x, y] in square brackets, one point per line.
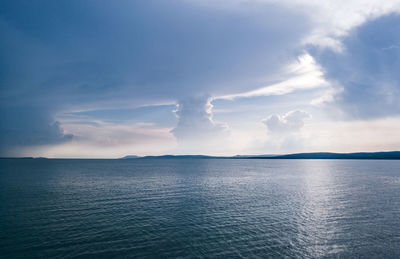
[367, 69]
[62, 55]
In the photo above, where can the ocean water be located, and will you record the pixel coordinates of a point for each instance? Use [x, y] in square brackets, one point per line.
[219, 208]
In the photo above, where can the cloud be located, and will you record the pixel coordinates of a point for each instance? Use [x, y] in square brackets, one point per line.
[143, 51]
[292, 121]
[109, 141]
[66, 56]
[378, 134]
[284, 131]
[21, 128]
[303, 74]
[330, 20]
[327, 96]
[74, 55]
[196, 130]
[366, 74]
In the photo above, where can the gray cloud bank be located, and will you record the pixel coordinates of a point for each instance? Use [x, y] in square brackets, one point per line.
[63, 55]
[367, 69]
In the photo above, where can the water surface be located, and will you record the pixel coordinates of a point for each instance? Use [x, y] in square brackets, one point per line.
[199, 208]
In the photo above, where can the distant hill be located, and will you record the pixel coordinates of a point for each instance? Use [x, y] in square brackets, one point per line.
[130, 157]
[183, 157]
[327, 155]
[317, 155]
[252, 156]
[394, 155]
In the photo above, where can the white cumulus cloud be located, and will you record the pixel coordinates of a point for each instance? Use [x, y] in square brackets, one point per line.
[290, 122]
[196, 130]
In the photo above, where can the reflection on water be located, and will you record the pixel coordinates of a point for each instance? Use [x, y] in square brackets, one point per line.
[196, 208]
[320, 209]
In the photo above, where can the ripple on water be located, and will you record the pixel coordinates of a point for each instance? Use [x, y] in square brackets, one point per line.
[199, 208]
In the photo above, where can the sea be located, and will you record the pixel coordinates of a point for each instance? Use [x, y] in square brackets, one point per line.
[199, 208]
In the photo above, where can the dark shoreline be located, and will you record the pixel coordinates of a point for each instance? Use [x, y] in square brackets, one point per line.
[390, 155]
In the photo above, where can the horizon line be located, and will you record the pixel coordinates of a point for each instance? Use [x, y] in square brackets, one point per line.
[237, 156]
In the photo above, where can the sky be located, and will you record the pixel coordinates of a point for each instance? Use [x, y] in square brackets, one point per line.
[105, 79]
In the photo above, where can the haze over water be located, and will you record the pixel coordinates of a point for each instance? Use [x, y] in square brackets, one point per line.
[199, 208]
